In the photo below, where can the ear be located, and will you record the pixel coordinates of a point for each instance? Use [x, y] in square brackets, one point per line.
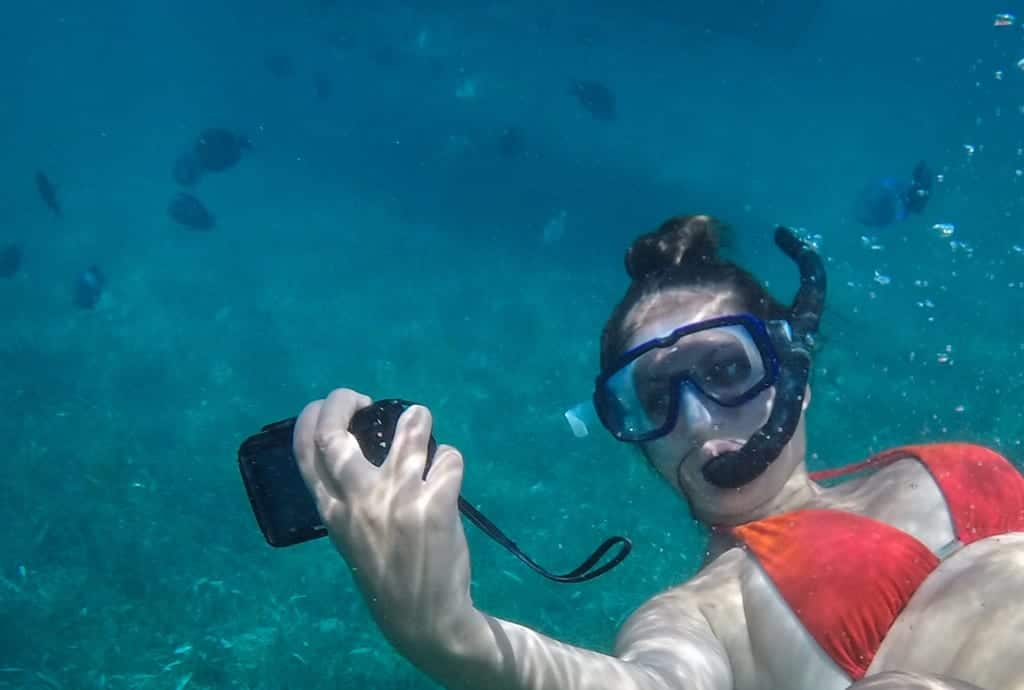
[807, 398]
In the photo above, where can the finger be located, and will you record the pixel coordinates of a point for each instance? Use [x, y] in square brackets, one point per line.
[336, 415]
[305, 451]
[340, 462]
[307, 455]
[304, 447]
[408, 454]
[446, 473]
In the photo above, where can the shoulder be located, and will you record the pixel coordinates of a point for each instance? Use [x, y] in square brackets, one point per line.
[680, 632]
[940, 453]
[902, 468]
[905, 486]
[699, 605]
[728, 627]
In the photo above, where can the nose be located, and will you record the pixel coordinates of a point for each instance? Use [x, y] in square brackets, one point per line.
[693, 413]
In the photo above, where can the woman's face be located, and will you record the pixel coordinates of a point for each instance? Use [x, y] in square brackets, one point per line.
[703, 428]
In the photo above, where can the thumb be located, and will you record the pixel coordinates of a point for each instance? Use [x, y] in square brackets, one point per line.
[445, 476]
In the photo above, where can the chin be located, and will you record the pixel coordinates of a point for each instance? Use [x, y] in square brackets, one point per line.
[716, 506]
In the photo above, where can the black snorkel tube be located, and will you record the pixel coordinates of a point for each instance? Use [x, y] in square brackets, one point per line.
[793, 346]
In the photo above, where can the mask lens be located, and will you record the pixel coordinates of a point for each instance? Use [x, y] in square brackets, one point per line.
[723, 363]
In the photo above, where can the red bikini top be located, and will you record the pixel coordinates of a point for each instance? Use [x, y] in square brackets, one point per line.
[847, 577]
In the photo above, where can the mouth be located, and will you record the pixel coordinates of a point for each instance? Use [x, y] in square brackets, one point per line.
[709, 450]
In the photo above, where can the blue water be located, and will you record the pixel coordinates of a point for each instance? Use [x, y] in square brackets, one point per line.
[380, 239]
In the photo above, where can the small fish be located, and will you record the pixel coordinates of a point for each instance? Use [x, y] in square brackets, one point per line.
[48, 192]
[217, 149]
[890, 199]
[10, 260]
[89, 288]
[189, 211]
[596, 98]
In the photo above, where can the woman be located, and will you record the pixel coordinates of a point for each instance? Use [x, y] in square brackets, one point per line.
[907, 578]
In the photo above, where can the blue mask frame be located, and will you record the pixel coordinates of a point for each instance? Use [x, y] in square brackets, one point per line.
[603, 394]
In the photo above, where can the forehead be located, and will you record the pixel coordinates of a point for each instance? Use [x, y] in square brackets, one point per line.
[661, 313]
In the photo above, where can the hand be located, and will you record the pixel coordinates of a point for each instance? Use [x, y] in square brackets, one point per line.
[400, 534]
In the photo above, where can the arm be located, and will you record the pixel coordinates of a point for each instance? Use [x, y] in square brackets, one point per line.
[663, 646]
[401, 535]
[895, 680]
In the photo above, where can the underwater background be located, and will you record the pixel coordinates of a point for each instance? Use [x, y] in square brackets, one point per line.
[430, 210]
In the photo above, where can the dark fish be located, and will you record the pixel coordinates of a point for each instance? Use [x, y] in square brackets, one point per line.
[48, 192]
[512, 142]
[10, 260]
[187, 170]
[218, 149]
[322, 86]
[281, 66]
[89, 288]
[890, 199]
[596, 98]
[189, 211]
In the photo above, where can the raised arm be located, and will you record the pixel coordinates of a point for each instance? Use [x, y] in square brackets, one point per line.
[401, 535]
[661, 647]
[895, 680]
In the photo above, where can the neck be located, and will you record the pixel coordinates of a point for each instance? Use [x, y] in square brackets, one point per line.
[798, 492]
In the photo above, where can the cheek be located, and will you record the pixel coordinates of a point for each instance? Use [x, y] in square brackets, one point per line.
[664, 456]
[673, 460]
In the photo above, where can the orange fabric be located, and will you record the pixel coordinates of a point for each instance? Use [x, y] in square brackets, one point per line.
[847, 577]
[984, 491]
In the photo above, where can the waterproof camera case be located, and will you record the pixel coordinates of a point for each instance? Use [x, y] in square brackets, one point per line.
[284, 508]
[287, 514]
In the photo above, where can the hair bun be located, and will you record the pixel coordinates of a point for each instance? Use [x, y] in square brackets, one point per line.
[679, 242]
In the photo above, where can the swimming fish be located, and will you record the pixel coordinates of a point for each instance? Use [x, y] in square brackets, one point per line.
[890, 199]
[190, 212]
[596, 98]
[89, 287]
[218, 149]
[10, 260]
[48, 192]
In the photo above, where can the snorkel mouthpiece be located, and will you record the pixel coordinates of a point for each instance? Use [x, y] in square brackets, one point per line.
[733, 469]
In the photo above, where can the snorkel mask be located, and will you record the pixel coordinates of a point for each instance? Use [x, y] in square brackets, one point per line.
[728, 360]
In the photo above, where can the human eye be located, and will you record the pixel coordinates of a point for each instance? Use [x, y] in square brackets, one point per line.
[727, 367]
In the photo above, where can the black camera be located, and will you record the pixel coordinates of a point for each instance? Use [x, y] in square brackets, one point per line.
[287, 514]
[285, 510]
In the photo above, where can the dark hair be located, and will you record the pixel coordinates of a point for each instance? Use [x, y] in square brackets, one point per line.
[681, 253]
